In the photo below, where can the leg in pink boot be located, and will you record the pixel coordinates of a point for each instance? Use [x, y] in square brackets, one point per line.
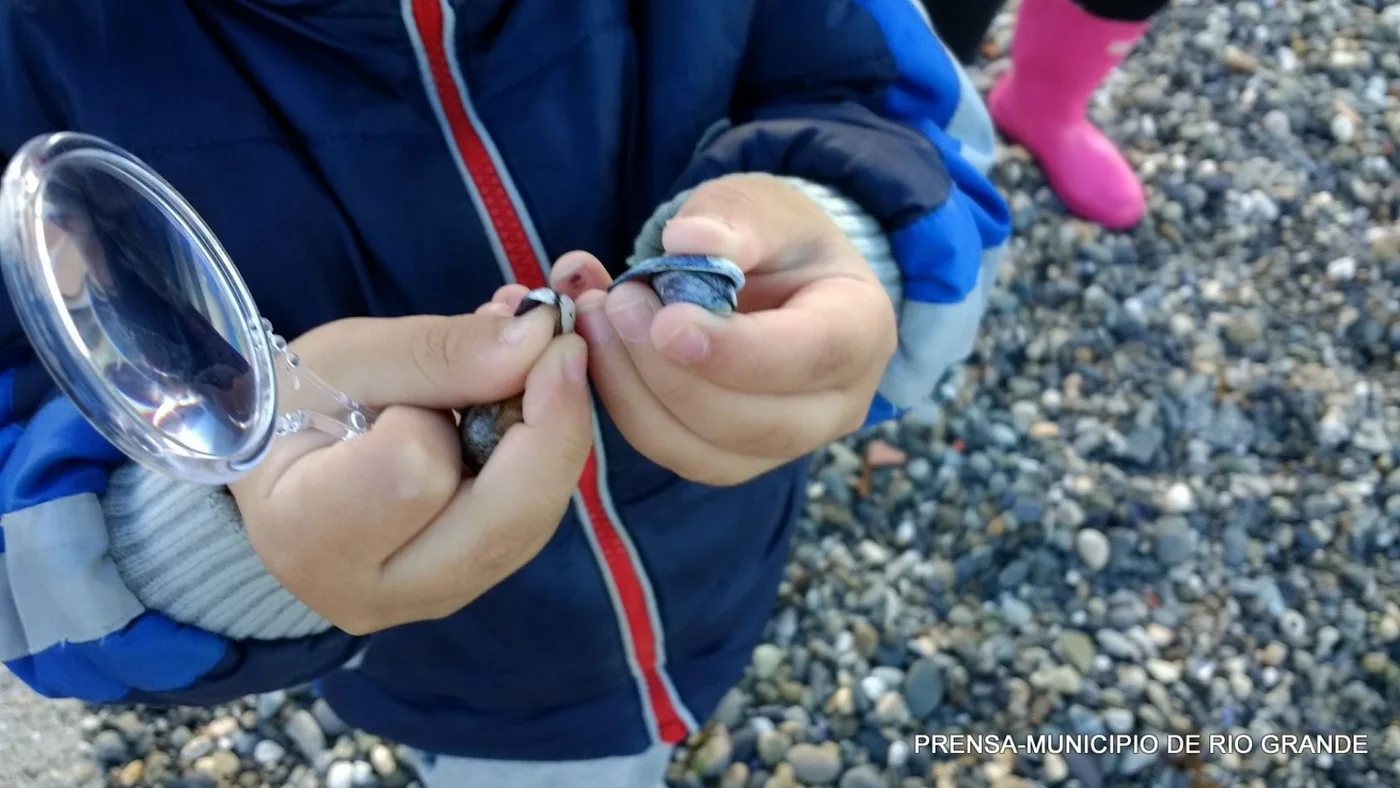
[1059, 57]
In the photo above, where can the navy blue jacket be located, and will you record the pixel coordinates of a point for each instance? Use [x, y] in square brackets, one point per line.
[370, 157]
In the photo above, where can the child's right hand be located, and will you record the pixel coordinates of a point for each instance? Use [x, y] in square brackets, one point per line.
[383, 530]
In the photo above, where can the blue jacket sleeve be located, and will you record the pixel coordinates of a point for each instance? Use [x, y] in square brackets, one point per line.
[861, 96]
[70, 625]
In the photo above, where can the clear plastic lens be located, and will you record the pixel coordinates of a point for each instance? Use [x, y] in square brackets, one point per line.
[137, 312]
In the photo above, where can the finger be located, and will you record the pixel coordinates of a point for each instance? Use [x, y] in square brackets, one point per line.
[371, 494]
[750, 219]
[494, 309]
[510, 295]
[644, 421]
[576, 273]
[767, 425]
[829, 335]
[429, 361]
[501, 521]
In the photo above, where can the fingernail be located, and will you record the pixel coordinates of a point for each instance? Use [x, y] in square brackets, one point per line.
[687, 346]
[520, 327]
[631, 315]
[576, 365]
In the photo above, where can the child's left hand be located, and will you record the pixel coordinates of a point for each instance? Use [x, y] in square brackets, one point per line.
[721, 400]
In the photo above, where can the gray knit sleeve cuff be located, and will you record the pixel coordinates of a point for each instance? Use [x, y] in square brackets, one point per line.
[860, 227]
[182, 550]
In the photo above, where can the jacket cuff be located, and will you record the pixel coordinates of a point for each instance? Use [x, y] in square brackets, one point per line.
[860, 227]
[182, 549]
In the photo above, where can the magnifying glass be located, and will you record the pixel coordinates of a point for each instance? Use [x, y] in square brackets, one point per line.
[142, 319]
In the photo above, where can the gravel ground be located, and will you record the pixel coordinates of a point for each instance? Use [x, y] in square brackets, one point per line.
[1163, 499]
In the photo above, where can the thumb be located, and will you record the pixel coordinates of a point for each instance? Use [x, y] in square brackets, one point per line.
[429, 361]
[751, 219]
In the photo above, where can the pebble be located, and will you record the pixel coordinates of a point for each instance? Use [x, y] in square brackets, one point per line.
[815, 763]
[766, 659]
[340, 775]
[924, 688]
[268, 753]
[306, 733]
[1093, 549]
[1077, 649]
[1179, 499]
[1163, 671]
[773, 747]
[865, 776]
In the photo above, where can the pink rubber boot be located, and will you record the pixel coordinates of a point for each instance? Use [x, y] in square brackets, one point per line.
[1059, 57]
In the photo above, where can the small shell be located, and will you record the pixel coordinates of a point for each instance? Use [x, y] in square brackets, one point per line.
[483, 426]
[710, 282]
[547, 297]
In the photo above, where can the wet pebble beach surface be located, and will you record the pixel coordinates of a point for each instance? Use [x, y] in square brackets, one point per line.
[1163, 498]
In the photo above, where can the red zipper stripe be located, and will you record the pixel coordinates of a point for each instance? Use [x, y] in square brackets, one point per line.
[640, 630]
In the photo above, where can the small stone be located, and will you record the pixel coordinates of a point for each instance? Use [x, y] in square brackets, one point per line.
[196, 748]
[1244, 330]
[773, 747]
[890, 710]
[842, 703]
[1179, 499]
[1277, 124]
[924, 688]
[872, 687]
[815, 763]
[1241, 685]
[1062, 679]
[268, 753]
[864, 776]
[1093, 548]
[382, 759]
[1239, 61]
[340, 775]
[363, 776]
[110, 749]
[131, 774]
[1118, 645]
[1054, 768]
[222, 764]
[1163, 671]
[1119, 720]
[1343, 128]
[269, 703]
[1343, 269]
[713, 757]
[898, 754]
[736, 776]
[1176, 541]
[1077, 649]
[867, 639]
[766, 659]
[306, 733]
[1375, 663]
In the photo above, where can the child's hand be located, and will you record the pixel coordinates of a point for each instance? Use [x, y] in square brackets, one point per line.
[720, 400]
[383, 530]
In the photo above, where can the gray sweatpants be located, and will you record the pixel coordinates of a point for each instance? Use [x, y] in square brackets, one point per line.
[646, 770]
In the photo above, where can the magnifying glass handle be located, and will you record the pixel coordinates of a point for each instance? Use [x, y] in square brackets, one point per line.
[343, 418]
